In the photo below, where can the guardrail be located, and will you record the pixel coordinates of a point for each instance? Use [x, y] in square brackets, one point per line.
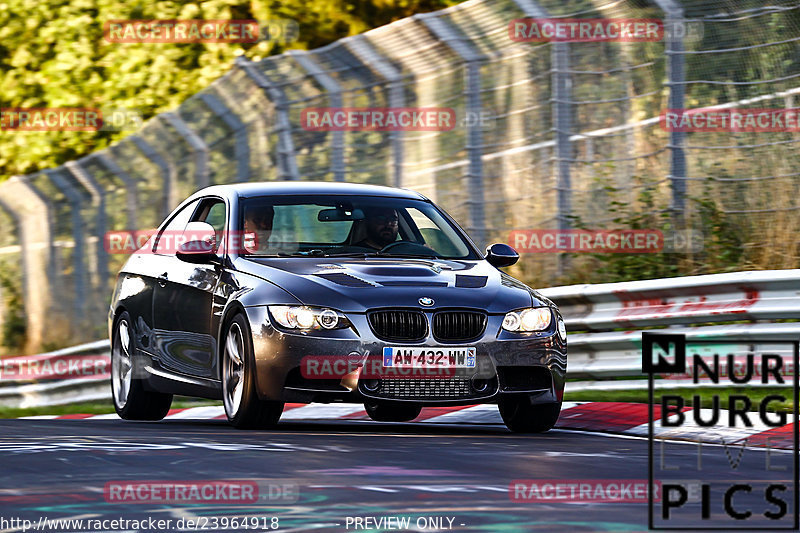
[32, 381]
[607, 321]
[756, 295]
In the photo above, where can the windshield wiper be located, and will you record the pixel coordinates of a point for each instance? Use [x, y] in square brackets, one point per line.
[309, 253]
[353, 254]
[414, 256]
[320, 253]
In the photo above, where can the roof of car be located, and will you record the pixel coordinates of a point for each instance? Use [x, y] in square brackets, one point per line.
[307, 187]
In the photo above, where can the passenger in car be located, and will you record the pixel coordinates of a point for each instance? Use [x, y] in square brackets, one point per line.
[258, 227]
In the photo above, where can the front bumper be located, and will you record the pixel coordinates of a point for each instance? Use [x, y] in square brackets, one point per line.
[532, 364]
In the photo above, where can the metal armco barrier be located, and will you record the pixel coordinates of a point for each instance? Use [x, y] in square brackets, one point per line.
[751, 296]
[608, 320]
[32, 381]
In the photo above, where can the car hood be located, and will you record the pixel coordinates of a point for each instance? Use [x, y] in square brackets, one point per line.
[357, 284]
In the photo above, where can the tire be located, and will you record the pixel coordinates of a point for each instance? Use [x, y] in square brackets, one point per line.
[522, 417]
[242, 406]
[131, 400]
[392, 411]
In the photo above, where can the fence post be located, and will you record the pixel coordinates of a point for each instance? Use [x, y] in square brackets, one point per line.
[259, 142]
[16, 221]
[197, 145]
[676, 73]
[99, 202]
[473, 60]
[78, 237]
[331, 86]
[131, 196]
[34, 215]
[562, 121]
[560, 98]
[167, 171]
[241, 145]
[287, 163]
[361, 48]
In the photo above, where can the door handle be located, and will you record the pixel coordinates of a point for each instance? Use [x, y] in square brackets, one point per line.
[162, 279]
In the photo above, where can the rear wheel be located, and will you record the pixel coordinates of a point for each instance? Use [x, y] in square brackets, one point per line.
[242, 406]
[131, 400]
[520, 416]
[392, 411]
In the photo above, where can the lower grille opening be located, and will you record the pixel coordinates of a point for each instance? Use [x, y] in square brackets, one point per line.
[435, 389]
[296, 380]
[521, 378]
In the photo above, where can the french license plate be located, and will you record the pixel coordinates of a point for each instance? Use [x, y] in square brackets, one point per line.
[428, 357]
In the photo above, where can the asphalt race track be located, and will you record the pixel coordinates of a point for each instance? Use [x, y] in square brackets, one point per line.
[59, 468]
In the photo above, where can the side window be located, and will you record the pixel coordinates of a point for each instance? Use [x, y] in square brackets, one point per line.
[165, 244]
[213, 213]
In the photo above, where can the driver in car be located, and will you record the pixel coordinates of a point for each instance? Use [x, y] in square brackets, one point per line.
[381, 225]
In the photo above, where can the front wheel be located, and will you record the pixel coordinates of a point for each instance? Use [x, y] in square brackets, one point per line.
[392, 412]
[131, 400]
[242, 406]
[520, 416]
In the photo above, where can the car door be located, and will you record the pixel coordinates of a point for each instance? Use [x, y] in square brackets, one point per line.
[156, 266]
[183, 304]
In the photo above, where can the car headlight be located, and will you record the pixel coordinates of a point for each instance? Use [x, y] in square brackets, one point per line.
[530, 319]
[303, 317]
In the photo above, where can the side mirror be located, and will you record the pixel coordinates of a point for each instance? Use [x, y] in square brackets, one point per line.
[501, 255]
[199, 243]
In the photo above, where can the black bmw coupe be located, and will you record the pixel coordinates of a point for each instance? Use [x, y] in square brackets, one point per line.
[263, 293]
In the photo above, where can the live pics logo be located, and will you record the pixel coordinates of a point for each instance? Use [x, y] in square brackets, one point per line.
[735, 478]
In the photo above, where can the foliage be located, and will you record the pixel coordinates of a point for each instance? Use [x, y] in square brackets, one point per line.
[12, 336]
[53, 54]
[722, 243]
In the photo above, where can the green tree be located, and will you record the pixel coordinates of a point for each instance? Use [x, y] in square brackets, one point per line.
[53, 54]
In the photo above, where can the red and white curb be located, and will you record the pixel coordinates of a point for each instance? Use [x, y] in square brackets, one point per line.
[610, 417]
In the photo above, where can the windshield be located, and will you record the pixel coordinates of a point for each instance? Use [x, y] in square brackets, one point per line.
[348, 226]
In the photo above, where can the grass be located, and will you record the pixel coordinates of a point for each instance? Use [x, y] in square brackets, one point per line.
[756, 395]
[93, 408]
